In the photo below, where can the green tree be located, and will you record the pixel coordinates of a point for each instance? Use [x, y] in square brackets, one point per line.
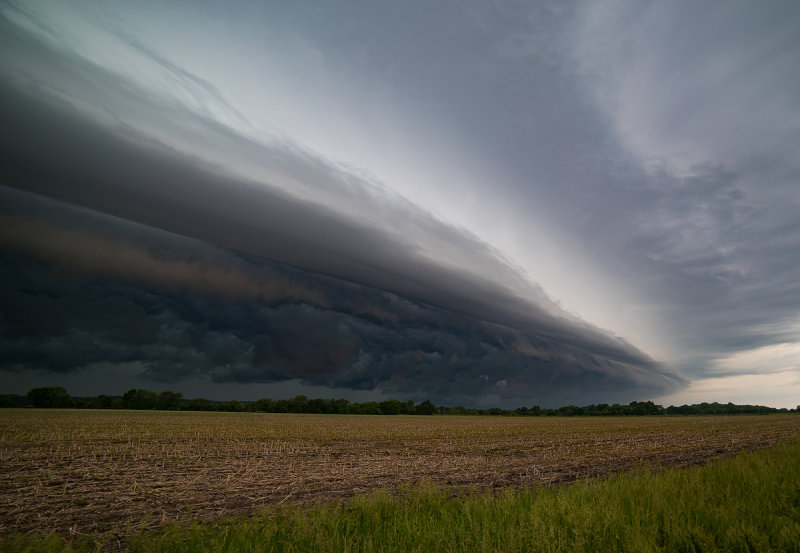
[298, 404]
[265, 405]
[233, 406]
[139, 399]
[170, 401]
[645, 408]
[50, 396]
[105, 401]
[201, 404]
[12, 400]
[390, 407]
[281, 406]
[427, 407]
[341, 406]
[366, 408]
[319, 405]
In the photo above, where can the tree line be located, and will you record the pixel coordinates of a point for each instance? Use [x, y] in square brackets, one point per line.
[139, 399]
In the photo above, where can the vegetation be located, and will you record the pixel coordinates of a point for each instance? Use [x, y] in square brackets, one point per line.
[50, 397]
[748, 503]
[139, 399]
[80, 472]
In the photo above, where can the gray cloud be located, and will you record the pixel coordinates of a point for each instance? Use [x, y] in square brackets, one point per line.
[639, 159]
[203, 270]
[391, 246]
[78, 301]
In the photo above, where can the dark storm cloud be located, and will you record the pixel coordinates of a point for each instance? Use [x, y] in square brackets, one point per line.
[81, 243]
[109, 174]
[55, 152]
[435, 312]
[65, 316]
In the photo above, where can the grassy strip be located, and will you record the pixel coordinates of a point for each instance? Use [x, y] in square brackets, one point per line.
[748, 503]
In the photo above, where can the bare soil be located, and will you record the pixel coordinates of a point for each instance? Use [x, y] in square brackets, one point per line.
[95, 471]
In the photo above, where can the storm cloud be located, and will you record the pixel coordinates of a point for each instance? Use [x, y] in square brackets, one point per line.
[82, 288]
[268, 199]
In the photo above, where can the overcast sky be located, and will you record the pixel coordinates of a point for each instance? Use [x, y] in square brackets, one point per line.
[506, 203]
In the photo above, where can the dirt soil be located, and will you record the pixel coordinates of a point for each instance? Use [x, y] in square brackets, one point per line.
[86, 472]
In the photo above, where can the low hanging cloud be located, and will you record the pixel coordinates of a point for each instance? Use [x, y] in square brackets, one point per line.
[205, 254]
[192, 269]
[189, 311]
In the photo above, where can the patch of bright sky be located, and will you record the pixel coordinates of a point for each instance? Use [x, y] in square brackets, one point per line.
[775, 358]
[780, 389]
[768, 375]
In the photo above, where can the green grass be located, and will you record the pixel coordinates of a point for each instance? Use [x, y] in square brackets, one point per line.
[748, 503]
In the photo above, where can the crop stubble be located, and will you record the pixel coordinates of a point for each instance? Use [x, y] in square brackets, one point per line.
[88, 471]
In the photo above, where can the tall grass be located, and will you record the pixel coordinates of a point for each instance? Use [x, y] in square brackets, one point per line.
[748, 503]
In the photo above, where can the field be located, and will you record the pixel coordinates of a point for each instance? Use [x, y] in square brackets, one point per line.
[82, 472]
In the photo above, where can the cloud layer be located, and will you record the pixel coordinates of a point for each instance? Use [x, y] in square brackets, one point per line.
[82, 289]
[636, 160]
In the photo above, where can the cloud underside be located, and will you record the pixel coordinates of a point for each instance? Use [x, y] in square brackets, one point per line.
[189, 311]
[135, 230]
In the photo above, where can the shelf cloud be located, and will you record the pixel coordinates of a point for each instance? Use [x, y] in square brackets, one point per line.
[490, 205]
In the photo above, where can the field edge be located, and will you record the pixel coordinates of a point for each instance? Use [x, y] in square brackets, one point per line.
[747, 502]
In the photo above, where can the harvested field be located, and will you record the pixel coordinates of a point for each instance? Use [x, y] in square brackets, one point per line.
[94, 471]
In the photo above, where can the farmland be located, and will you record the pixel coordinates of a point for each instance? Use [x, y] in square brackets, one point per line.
[100, 470]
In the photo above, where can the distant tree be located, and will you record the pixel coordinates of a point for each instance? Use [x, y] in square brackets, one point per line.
[645, 408]
[341, 406]
[170, 401]
[104, 401]
[232, 406]
[139, 399]
[265, 405]
[720, 409]
[597, 410]
[85, 402]
[427, 407]
[50, 396]
[281, 406]
[320, 405]
[366, 408]
[200, 404]
[12, 400]
[298, 404]
[569, 411]
[390, 407]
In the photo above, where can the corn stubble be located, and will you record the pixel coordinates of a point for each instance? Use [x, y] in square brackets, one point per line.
[84, 472]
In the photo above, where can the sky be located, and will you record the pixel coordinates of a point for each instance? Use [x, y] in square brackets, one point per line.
[477, 203]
